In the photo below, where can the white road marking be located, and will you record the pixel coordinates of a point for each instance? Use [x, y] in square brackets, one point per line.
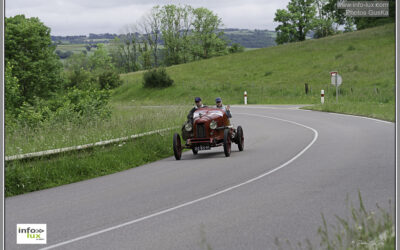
[333, 113]
[202, 198]
[307, 110]
[362, 117]
[263, 107]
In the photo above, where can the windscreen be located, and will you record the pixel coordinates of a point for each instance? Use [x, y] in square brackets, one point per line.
[212, 112]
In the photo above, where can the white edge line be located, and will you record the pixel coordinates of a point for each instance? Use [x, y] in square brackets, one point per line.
[263, 107]
[202, 198]
[357, 116]
[326, 112]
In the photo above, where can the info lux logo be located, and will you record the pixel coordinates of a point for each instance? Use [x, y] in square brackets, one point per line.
[31, 234]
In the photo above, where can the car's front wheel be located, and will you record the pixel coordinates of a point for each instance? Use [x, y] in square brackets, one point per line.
[177, 146]
[227, 143]
[240, 138]
[195, 150]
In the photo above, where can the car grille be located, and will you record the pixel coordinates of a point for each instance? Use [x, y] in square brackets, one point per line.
[201, 130]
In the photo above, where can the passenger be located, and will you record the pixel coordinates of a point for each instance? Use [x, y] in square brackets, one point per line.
[219, 105]
[199, 104]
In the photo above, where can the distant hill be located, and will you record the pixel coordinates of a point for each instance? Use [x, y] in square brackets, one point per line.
[245, 37]
[251, 38]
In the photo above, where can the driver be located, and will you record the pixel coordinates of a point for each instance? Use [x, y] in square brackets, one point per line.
[219, 105]
[199, 104]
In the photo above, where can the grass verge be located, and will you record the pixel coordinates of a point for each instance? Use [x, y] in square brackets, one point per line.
[383, 111]
[31, 175]
[361, 229]
[126, 120]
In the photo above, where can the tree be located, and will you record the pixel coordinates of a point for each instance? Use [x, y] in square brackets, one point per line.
[324, 21]
[337, 16]
[286, 32]
[89, 72]
[78, 72]
[297, 21]
[100, 60]
[150, 27]
[145, 55]
[368, 22]
[175, 27]
[11, 90]
[29, 49]
[207, 37]
[125, 50]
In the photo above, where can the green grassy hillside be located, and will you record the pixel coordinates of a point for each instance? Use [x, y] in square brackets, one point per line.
[276, 75]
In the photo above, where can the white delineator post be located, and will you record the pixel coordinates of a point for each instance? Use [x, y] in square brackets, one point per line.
[322, 96]
[245, 97]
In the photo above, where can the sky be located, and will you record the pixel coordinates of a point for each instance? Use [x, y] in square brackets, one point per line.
[82, 17]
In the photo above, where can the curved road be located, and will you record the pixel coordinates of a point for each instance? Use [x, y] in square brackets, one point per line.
[296, 165]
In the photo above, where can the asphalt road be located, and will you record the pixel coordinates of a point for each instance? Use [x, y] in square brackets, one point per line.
[296, 165]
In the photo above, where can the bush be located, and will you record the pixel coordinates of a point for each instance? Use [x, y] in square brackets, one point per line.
[64, 55]
[109, 80]
[235, 48]
[33, 115]
[88, 104]
[75, 106]
[157, 78]
[351, 47]
[81, 79]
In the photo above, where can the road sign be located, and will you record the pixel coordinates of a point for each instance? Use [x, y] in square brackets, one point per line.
[336, 80]
[335, 75]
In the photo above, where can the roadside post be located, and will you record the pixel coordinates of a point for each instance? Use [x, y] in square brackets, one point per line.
[336, 80]
[322, 96]
[245, 98]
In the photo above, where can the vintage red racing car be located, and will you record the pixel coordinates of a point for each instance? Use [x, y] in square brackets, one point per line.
[210, 128]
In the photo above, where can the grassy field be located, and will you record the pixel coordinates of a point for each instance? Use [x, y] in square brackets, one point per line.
[277, 75]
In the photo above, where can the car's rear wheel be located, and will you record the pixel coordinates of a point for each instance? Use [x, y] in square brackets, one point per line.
[195, 150]
[177, 146]
[240, 138]
[227, 143]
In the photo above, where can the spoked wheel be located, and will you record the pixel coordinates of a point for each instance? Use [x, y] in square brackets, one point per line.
[240, 138]
[195, 150]
[227, 143]
[177, 146]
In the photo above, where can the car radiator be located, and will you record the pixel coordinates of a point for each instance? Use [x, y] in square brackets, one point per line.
[200, 130]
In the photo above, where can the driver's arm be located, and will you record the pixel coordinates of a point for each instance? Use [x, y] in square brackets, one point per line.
[190, 115]
[228, 113]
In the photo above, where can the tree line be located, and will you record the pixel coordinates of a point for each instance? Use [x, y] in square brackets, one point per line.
[246, 37]
[321, 18]
[169, 35]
